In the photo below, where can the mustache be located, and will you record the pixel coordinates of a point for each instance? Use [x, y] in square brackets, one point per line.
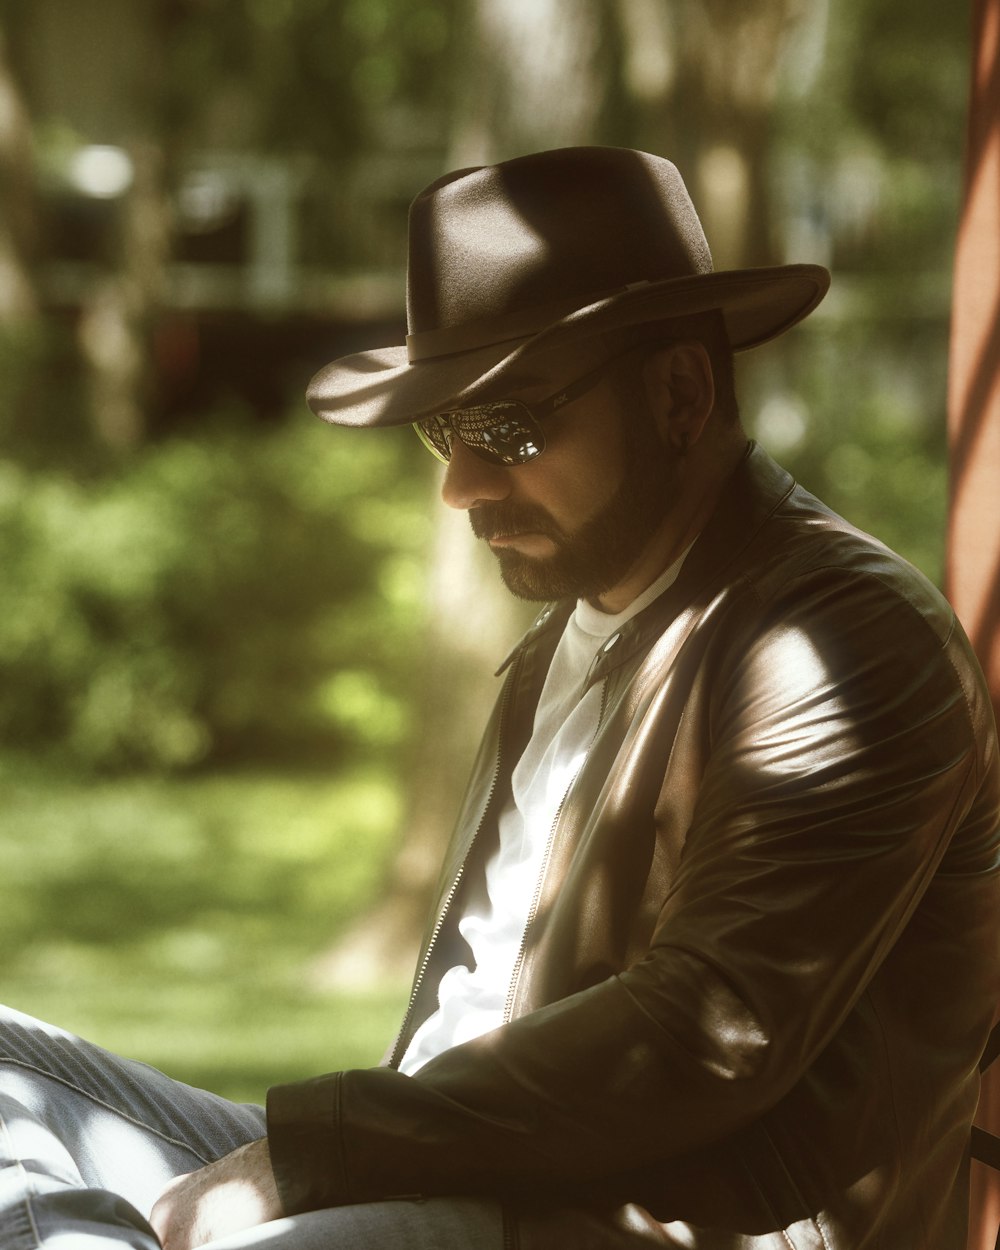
[503, 520]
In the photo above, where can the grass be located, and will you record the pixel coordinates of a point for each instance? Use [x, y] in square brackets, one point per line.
[178, 921]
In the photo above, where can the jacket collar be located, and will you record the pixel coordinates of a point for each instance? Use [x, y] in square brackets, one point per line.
[757, 487]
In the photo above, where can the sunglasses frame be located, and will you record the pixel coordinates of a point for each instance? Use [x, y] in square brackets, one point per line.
[438, 432]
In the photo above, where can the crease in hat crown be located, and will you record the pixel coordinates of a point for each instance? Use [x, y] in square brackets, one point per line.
[507, 259]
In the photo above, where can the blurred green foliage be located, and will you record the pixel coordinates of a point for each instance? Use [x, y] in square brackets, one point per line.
[213, 598]
[866, 162]
[312, 63]
[863, 430]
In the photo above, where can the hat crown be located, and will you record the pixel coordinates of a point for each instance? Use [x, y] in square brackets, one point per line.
[499, 251]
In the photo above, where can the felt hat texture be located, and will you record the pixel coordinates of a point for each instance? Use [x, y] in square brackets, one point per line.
[513, 259]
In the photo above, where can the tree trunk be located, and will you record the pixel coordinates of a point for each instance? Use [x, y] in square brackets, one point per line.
[535, 75]
[704, 77]
[973, 572]
[118, 321]
[18, 210]
[472, 623]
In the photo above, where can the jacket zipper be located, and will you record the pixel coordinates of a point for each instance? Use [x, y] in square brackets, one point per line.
[399, 1049]
[536, 898]
[511, 1240]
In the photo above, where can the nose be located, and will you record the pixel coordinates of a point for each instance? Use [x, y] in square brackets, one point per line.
[469, 480]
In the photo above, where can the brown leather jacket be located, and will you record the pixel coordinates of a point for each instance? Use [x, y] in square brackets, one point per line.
[764, 957]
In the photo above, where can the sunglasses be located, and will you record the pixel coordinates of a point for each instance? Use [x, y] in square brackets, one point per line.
[503, 431]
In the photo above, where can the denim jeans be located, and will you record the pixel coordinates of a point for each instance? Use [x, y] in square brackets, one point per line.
[88, 1140]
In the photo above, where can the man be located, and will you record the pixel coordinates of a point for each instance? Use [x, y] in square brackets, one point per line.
[715, 953]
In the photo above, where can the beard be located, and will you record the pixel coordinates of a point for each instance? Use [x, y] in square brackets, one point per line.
[601, 552]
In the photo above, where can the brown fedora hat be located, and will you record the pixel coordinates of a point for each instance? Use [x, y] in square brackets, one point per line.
[508, 260]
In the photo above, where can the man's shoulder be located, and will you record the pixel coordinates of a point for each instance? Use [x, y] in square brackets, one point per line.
[803, 546]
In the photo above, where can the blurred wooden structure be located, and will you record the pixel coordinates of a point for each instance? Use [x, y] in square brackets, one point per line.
[974, 439]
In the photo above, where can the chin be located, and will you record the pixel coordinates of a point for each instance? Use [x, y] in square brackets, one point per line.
[540, 581]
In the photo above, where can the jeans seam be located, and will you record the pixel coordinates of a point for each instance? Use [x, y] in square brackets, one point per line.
[99, 1102]
[29, 1184]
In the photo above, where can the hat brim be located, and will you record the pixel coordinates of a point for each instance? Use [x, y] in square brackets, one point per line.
[382, 388]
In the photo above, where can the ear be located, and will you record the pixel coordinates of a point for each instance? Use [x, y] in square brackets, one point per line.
[681, 391]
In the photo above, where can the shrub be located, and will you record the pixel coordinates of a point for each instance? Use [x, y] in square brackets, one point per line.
[234, 596]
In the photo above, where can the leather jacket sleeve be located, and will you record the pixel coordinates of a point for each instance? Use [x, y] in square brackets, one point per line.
[845, 741]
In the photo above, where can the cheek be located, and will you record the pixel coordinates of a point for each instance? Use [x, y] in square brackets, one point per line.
[583, 465]
[579, 486]
[598, 471]
[598, 479]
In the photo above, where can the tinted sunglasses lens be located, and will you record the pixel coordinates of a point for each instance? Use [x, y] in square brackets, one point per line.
[436, 435]
[503, 432]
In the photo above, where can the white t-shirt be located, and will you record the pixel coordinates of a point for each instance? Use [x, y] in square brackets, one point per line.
[471, 999]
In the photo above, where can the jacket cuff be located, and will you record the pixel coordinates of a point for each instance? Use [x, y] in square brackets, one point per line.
[304, 1141]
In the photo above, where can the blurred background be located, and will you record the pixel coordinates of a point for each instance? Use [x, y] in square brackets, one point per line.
[244, 656]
